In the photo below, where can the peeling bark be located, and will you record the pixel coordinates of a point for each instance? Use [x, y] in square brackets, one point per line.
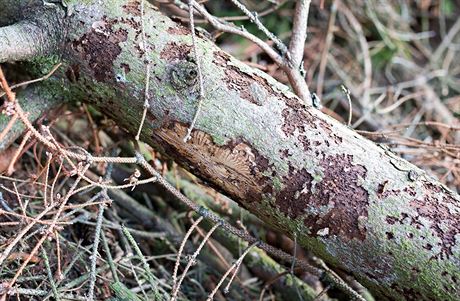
[354, 204]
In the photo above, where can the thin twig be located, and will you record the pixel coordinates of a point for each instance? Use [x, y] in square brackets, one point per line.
[48, 231]
[36, 80]
[294, 256]
[192, 261]
[339, 282]
[4, 84]
[346, 91]
[181, 249]
[226, 27]
[10, 169]
[45, 189]
[8, 126]
[50, 275]
[97, 236]
[109, 257]
[270, 282]
[54, 183]
[236, 264]
[150, 276]
[254, 18]
[322, 293]
[58, 255]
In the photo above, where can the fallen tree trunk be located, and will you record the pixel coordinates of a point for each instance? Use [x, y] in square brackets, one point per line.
[354, 204]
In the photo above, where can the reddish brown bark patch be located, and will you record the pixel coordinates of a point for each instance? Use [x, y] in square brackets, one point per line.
[295, 196]
[244, 83]
[434, 206]
[285, 154]
[237, 81]
[133, 8]
[174, 51]
[340, 190]
[135, 24]
[221, 58]
[409, 293]
[297, 118]
[125, 67]
[343, 201]
[100, 50]
[179, 30]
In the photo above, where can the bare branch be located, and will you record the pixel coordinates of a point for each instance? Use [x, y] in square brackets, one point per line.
[298, 84]
[254, 18]
[32, 37]
[296, 80]
[226, 27]
[299, 32]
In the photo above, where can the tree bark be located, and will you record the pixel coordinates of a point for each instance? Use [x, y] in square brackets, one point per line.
[351, 202]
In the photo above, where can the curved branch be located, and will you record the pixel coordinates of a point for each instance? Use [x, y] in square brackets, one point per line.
[241, 32]
[296, 80]
[38, 35]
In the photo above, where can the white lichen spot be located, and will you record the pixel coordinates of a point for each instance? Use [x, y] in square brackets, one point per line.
[362, 223]
[323, 232]
[259, 94]
[100, 27]
[297, 195]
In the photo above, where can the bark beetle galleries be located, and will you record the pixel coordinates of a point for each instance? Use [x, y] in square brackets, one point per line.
[236, 166]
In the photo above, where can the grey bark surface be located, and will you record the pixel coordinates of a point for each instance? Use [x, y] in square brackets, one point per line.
[13, 10]
[351, 202]
[38, 33]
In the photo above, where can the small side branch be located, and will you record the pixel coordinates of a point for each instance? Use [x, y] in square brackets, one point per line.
[253, 17]
[299, 32]
[229, 28]
[296, 79]
[32, 37]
